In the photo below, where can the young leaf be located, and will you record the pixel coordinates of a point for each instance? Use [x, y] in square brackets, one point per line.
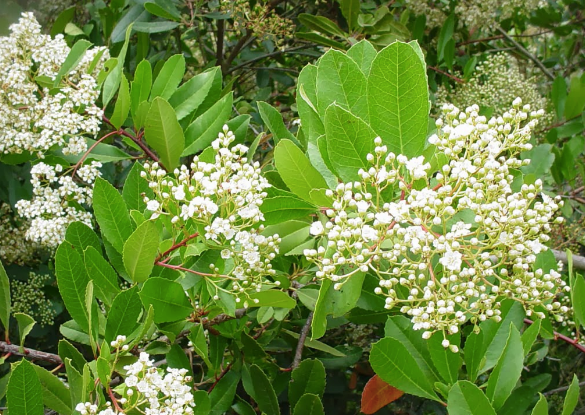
[296, 170]
[398, 95]
[140, 251]
[72, 281]
[572, 397]
[192, 93]
[197, 337]
[467, 399]
[541, 407]
[265, 396]
[377, 394]
[122, 106]
[507, 371]
[111, 214]
[25, 325]
[24, 395]
[4, 298]
[274, 122]
[530, 335]
[309, 377]
[309, 404]
[349, 141]
[363, 53]
[350, 9]
[164, 133]
[123, 315]
[392, 361]
[168, 78]
[140, 86]
[167, 298]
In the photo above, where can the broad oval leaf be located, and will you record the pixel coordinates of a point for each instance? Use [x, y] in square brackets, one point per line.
[169, 77]
[164, 133]
[140, 251]
[167, 298]
[72, 281]
[111, 214]
[309, 377]
[467, 399]
[24, 394]
[123, 315]
[309, 404]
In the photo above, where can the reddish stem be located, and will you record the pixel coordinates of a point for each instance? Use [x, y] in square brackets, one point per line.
[180, 268]
[94, 145]
[221, 375]
[562, 337]
[175, 247]
[115, 401]
[448, 75]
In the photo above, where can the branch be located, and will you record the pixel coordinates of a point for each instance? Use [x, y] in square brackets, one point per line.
[559, 336]
[301, 343]
[561, 389]
[453, 77]
[527, 54]
[30, 353]
[578, 261]
[268, 55]
[219, 48]
[176, 246]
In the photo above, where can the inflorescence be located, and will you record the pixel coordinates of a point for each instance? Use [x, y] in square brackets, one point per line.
[459, 238]
[222, 198]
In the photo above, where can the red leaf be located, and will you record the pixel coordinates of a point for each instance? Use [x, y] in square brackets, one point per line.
[377, 394]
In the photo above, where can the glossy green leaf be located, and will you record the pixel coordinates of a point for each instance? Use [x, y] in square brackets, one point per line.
[284, 206]
[73, 59]
[296, 170]
[197, 337]
[529, 336]
[340, 80]
[222, 395]
[4, 298]
[25, 325]
[136, 188]
[578, 297]
[82, 236]
[363, 53]
[392, 361]
[92, 316]
[56, 395]
[122, 106]
[274, 122]
[167, 298]
[309, 377]
[350, 9]
[541, 407]
[111, 214]
[68, 351]
[503, 378]
[164, 133]
[164, 9]
[320, 40]
[192, 93]
[309, 404]
[140, 86]
[123, 315]
[72, 281]
[446, 362]
[321, 24]
[168, 78]
[349, 141]
[398, 96]
[467, 399]
[264, 394]
[102, 274]
[572, 397]
[559, 95]
[272, 298]
[140, 251]
[24, 394]
[575, 102]
[205, 129]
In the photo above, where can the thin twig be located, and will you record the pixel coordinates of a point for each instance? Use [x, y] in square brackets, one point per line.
[527, 54]
[176, 246]
[219, 48]
[453, 77]
[561, 389]
[268, 55]
[301, 343]
[559, 336]
[30, 353]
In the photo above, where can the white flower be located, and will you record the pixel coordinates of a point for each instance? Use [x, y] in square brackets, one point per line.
[316, 228]
[153, 205]
[417, 167]
[451, 260]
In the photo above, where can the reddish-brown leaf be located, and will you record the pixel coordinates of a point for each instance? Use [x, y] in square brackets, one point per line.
[377, 394]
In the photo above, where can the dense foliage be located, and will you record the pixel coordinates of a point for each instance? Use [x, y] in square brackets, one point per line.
[292, 207]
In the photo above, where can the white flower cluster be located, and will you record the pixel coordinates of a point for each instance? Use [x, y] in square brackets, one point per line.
[56, 202]
[222, 197]
[14, 248]
[473, 14]
[34, 116]
[150, 391]
[453, 243]
[495, 83]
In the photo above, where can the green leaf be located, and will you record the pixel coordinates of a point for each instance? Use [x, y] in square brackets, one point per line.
[572, 397]
[576, 99]
[349, 141]
[309, 377]
[340, 80]
[445, 36]
[317, 345]
[81, 236]
[446, 362]
[62, 19]
[56, 396]
[163, 9]
[296, 170]
[398, 96]
[164, 133]
[312, 125]
[103, 371]
[191, 94]
[222, 395]
[135, 188]
[363, 53]
[167, 298]
[320, 40]
[102, 274]
[123, 315]
[168, 78]
[24, 394]
[73, 59]
[322, 308]
[25, 325]
[101, 152]
[321, 24]
[202, 403]
[541, 407]
[578, 298]
[264, 395]
[284, 206]
[274, 122]
[272, 298]
[350, 9]
[467, 399]
[75, 381]
[122, 106]
[241, 407]
[92, 316]
[112, 82]
[140, 251]
[197, 337]
[201, 132]
[111, 214]
[529, 336]
[68, 351]
[140, 86]
[309, 404]
[541, 159]
[391, 360]
[559, 95]
[72, 281]
[4, 298]
[507, 371]
[155, 27]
